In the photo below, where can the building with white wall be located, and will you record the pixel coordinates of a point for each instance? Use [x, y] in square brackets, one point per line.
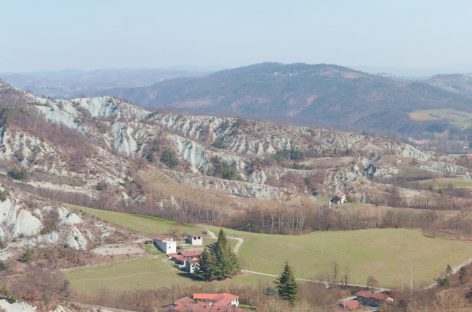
[166, 245]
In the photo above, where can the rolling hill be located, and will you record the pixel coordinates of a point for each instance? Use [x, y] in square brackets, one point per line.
[315, 95]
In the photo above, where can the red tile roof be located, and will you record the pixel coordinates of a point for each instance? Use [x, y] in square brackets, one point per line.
[193, 261]
[192, 253]
[371, 295]
[201, 302]
[350, 305]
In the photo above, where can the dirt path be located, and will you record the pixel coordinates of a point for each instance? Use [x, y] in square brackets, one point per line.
[325, 283]
[238, 244]
[455, 269]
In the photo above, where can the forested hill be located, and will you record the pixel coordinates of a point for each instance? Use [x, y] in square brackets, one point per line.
[321, 95]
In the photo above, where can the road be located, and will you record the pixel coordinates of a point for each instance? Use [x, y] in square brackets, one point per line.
[238, 244]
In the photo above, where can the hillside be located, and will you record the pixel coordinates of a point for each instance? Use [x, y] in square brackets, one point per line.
[109, 154]
[315, 95]
[75, 83]
[103, 151]
[455, 83]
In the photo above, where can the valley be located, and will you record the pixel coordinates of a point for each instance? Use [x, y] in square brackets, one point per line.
[86, 181]
[383, 253]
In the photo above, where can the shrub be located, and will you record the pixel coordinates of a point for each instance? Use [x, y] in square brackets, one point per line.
[219, 143]
[27, 256]
[8, 294]
[101, 186]
[291, 154]
[50, 222]
[169, 158]
[17, 173]
[3, 266]
[3, 195]
[222, 169]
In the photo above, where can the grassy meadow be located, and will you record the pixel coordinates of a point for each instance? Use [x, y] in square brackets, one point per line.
[387, 254]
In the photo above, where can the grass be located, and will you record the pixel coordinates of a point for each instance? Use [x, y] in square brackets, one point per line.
[445, 182]
[149, 272]
[387, 254]
[458, 118]
[140, 223]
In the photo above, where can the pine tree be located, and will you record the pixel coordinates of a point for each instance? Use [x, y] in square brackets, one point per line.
[286, 285]
[207, 266]
[218, 260]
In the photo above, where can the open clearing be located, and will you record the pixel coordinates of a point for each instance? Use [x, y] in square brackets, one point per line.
[387, 254]
[446, 182]
[149, 272]
[458, 118]
[140, 223]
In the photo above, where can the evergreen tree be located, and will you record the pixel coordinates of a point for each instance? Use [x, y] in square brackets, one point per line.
[207, 266]
[218, 260]
[287, 287]
[462, 274]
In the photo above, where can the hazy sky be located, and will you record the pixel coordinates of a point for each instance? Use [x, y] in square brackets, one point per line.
[86, 34]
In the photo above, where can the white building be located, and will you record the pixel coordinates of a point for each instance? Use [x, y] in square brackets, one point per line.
[195, 239]
[166, 245]
[192, 265]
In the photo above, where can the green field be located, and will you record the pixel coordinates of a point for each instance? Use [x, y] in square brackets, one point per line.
[387, 254]
[445, 182]
[140, 223]
[458, 118]
[149, 272]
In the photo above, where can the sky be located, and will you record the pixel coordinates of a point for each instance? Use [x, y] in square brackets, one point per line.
[400, 35]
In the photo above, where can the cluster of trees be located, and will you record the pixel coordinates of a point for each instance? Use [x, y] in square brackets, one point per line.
[218, 260]
[220, 168]
[288, 154]
[17, 173]
[169, 158]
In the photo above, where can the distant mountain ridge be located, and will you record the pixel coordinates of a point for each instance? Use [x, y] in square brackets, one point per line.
[456, 83]
[70, 83]
[320, 95]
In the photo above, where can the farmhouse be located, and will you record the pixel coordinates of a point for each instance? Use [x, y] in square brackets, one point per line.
[188, 260]
[166, 244]
[339, 198]
[192, 265]
[371, 299]
[206, 302]
[350, 305]
[195, 239]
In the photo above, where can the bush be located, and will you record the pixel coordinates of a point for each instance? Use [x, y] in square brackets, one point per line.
[169, 158]
[3, 266]
[50, 222]
[17, 173]
[222, 169]
[27, 256]
[8, 294]
[219, 143]
[3, 195]
[2, 244]
[291, 154]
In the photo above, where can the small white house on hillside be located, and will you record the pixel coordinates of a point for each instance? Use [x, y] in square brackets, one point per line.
[195, 239]
[166, 245]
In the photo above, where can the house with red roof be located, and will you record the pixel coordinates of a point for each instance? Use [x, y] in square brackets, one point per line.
[205, 302]
[188, 260]
[339, 198]
[372, 299]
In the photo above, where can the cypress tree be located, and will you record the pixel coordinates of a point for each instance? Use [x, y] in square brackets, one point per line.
[207, 266]
[218, 260]
[286, 285]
